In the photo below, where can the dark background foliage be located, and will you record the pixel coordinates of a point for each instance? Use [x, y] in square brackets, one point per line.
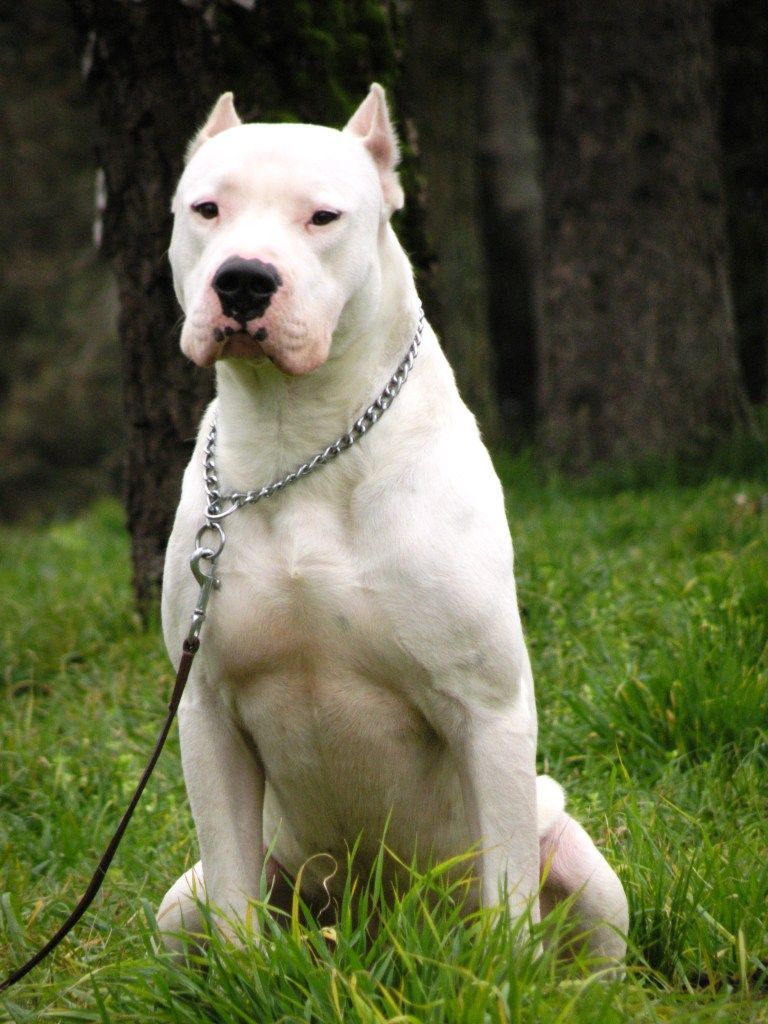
[587, 213]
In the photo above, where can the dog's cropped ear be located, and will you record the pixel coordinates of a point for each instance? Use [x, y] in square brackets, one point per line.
[222, 116]
[371, 122]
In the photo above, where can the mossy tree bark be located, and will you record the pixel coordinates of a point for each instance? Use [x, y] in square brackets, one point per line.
[154, 69]
[637, 351]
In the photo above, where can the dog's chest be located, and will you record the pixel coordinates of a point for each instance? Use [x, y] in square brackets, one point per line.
[300, 639]
[294, 593]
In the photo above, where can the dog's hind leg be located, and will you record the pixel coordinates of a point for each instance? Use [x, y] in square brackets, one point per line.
[572, 866]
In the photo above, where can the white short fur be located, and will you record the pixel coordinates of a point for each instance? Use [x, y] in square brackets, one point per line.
[363, 665]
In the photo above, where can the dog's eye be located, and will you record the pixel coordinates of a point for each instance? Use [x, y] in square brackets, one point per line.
[322, 217]
[206, 210]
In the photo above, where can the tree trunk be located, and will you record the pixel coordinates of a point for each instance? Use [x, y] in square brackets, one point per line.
[444, 75]
[637, 352]
[511, 212]
[155, 68]
[741, 38]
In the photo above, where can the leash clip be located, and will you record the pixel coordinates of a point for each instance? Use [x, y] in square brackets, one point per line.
[208, 581]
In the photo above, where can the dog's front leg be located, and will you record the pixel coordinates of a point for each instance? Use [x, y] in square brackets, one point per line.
[225, 784]
[496, 757]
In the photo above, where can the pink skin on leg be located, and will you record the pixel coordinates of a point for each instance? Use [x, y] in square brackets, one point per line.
[571, 865]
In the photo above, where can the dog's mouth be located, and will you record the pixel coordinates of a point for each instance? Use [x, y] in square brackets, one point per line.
[239, 342]
[290, 350]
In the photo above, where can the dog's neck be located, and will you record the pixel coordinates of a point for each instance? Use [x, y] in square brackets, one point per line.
[270, 422]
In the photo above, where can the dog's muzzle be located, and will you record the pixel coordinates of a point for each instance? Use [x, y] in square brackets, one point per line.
[245, 287]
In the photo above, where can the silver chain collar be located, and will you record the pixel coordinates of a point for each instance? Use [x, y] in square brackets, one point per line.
[219, 505]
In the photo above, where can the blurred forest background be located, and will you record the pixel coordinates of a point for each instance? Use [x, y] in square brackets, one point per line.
[587, 211]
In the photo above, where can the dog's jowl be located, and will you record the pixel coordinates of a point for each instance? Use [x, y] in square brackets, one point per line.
[363, 667]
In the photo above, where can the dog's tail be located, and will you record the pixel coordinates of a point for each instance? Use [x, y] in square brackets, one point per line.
[550, 800]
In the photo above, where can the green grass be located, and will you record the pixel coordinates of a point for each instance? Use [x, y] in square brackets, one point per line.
[646, 614]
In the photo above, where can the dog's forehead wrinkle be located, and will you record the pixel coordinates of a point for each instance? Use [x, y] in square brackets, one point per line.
[270, 187]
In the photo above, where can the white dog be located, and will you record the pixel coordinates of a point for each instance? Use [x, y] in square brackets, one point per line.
[363, 666]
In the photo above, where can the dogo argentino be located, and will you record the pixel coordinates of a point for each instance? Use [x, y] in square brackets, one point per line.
[363, 668]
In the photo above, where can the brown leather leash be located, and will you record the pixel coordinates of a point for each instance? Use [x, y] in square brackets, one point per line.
[219, 506]
[191, 646]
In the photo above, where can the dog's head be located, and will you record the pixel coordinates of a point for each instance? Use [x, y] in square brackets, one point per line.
[276, 229]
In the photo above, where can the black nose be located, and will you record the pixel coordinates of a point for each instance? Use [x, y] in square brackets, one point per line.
[245, 287]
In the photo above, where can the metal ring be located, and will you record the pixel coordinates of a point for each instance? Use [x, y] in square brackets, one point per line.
[199, 540]
[214, 517]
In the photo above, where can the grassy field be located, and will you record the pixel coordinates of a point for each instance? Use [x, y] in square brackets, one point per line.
[646, 612]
